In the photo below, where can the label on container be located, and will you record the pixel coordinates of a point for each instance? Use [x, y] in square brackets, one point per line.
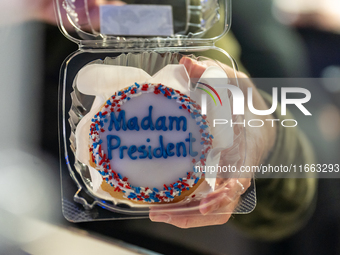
[136, 20]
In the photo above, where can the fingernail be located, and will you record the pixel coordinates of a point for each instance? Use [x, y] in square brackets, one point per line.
[160, 218]
[205, 210]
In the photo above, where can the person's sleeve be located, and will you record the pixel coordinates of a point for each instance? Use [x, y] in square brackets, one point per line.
[283, 205]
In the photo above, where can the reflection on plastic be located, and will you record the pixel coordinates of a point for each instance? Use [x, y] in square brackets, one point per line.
[137, 20]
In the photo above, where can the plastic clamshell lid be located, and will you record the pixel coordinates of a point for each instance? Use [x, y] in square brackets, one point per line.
[149, 20]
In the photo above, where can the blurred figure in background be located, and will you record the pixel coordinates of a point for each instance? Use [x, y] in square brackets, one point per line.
[314, 27]
[269, 49]
[318, 14]
[318, 22]
[25, 168]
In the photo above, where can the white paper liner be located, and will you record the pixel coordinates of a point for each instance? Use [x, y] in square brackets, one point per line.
[102, 81]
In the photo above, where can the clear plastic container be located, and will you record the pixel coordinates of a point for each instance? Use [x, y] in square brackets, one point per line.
[153, 52]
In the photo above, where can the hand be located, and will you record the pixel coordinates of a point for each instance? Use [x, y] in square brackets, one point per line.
[217, 207]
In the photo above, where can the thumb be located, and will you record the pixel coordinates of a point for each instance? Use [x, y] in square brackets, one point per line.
[194, 68]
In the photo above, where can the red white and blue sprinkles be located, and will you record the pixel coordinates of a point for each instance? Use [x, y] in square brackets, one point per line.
[120, 183]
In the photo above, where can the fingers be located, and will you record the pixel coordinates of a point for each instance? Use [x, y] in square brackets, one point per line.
[215, 209]
[190, 221]
[225, 199]
[219, 213]
[196, 68]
